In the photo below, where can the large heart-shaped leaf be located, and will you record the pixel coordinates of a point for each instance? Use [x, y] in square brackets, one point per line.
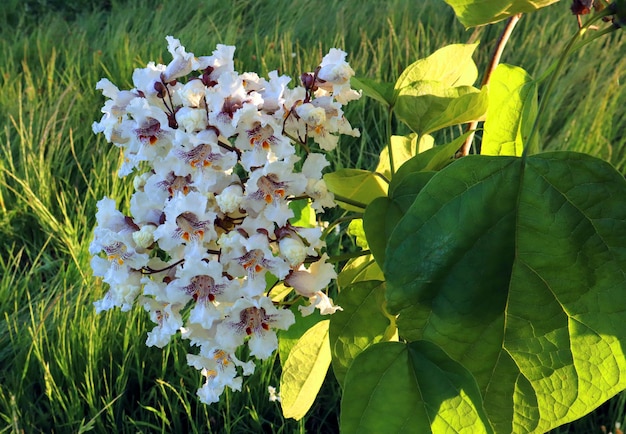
[411, 388]
[517, 269]
[478, 12]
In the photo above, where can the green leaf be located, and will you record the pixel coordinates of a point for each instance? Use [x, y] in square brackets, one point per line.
[381, 92]
[520, 270]
[433, 159]
[355, 184]
[450, 66]
[473, 13]
[287, 339]
[404, 148]
[511, 113]
[304, 371]
[355, 229]
[431, 106]
[407, 190]
[362, 322]
[359, 269]
[394, 387]
[379, 221]
[303, 214]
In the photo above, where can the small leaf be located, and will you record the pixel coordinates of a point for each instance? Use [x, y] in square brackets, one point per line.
[511, 113]
[423, 389]
[381, 92]
[431, 160]
[355, 229]
[432, 106]
[404, 148]
[304, 371]
[359, 269]
[451, 66]
[358, 185]
[472, 13]
[362, 322]
[279, 292]
[303, 214]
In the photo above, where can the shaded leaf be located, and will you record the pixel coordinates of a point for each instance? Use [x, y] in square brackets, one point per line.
[423, 389]
[362, 322]
[380, 219]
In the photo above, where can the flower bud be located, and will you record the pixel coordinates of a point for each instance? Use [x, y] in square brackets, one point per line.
[144, 237]
[230, 198]
[293, 250]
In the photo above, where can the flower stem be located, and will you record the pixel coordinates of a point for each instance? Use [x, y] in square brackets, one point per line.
[354, 203]
[493, 63]
[348, 256]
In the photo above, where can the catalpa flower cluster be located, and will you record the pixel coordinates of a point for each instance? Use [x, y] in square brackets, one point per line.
[213, 153]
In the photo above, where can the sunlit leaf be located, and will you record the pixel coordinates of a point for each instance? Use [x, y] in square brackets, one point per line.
[304, 371]
[403, 148]
[511, 112]
[359, 269]
[451, 66]
[304, 214]
[478, 12]
[431, 106]
[358, 185]
[287, 339]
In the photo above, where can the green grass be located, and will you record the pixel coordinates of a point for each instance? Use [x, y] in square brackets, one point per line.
[65, 369]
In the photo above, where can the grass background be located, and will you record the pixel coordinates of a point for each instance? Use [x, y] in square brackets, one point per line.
[65, 369]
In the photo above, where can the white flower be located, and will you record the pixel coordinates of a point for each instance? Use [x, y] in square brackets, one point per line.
[181, 65]
[320, 301]
[308, 281]
[274, 395]
[209, 216]
[168, 320]
[256, 319]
